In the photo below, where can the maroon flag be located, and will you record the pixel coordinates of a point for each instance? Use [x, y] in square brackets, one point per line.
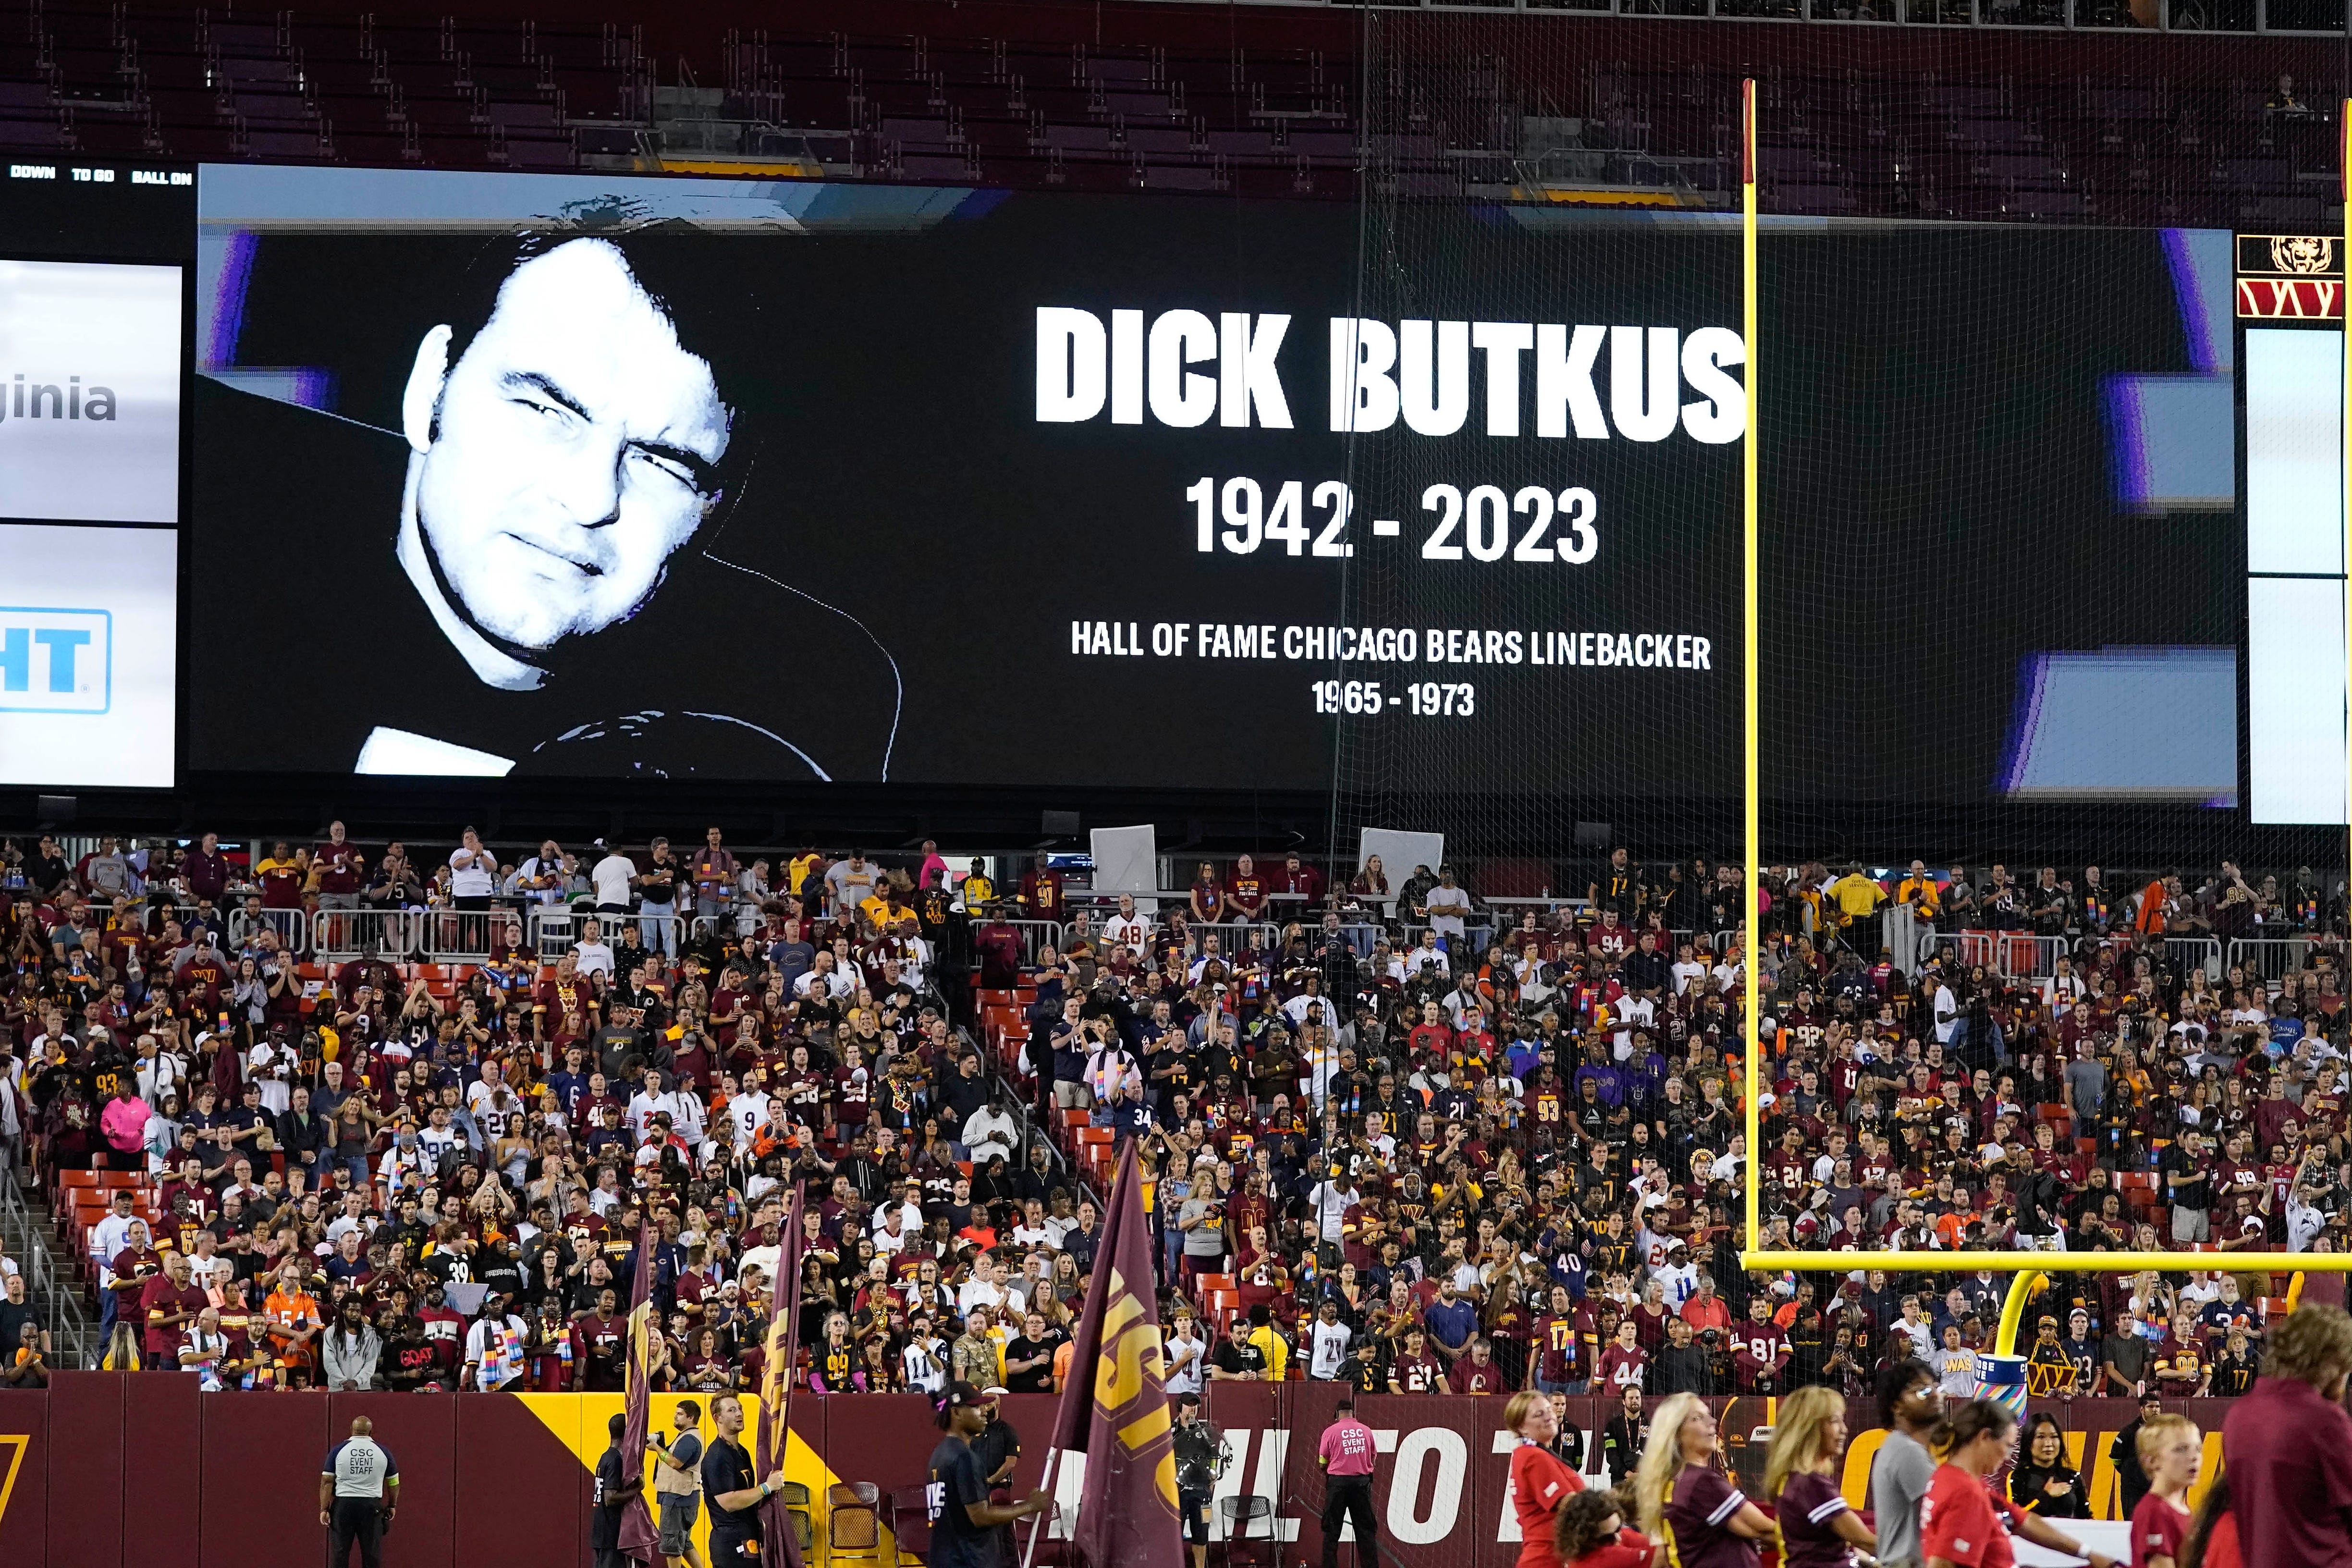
[779, 1542]
[638, 1536]
[1118, 1416]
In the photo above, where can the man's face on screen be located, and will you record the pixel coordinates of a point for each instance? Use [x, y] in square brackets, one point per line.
[569, 452]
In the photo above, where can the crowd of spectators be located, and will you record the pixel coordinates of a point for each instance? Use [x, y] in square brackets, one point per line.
[1400, 1136]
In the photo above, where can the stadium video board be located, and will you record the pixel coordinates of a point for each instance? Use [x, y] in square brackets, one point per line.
[601, 475]
[787, 481]
[94, 279]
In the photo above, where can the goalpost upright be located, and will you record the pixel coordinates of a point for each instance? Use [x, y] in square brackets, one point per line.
[2030, 1268]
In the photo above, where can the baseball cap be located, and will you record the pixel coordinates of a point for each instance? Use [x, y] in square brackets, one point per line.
[959, 1395]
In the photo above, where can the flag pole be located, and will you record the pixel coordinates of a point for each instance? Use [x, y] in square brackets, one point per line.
[1115, 1409]
[638, 1536]
[1037, 1525]
[775, 1436]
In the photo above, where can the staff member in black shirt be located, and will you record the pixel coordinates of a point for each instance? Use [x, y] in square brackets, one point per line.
[1567, 1444]
[963, 1521]
[358, 1488]
[1624, 1439]
[728, 1487]
[998, 1446]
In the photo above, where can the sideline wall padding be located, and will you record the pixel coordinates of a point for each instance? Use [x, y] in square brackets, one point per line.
[24, 1477]
[115, 1470]
[518, 1490]
[421, 1435]
[163, 1458]
[85, 1420]
[262, 1454]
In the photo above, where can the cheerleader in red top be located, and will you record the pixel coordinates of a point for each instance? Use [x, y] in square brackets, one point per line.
[1961, 1523]
[1540, 1481]
[2214, 1538]
[1589, 1532]
[1818, 1528]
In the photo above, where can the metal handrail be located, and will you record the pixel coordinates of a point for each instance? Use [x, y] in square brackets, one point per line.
[70, 1331]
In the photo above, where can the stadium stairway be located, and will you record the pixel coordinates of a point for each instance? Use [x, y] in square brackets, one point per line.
[32, 1233]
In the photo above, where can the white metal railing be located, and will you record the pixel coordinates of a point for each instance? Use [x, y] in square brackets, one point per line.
[395, 936]
[2018, 954]
[2271, 958]
[48, 1287]
[292, 927]
[555, 930]
[2187, 952]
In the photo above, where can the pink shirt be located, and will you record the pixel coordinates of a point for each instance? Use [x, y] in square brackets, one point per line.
[124, 1122]
[1347, 1448]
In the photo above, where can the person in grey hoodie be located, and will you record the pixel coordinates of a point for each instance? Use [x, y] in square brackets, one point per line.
[348, 1354]
[1903, 1468]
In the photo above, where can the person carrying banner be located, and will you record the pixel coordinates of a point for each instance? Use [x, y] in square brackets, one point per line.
[1118, 1414]
[963, 1521]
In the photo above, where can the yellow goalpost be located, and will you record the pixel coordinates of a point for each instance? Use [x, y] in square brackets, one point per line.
[2031, 1267]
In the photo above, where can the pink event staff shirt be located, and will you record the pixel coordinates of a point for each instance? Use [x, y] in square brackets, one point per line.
[1348, 1448]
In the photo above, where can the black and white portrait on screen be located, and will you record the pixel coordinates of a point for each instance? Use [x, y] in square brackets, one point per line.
[523, 578]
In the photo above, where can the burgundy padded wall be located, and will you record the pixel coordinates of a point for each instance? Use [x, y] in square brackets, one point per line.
[262, 1454]
[421, 1434]
[85, 1494]
[163, 1424]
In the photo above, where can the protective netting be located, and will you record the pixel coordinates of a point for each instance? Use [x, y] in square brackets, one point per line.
[2052, 603]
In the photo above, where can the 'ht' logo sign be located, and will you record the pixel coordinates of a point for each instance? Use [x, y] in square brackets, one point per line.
[55, 661]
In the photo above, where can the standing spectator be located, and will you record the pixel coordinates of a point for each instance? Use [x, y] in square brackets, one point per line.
[1328, 1340]
[473, 878]
[1237, 1359]
[715, 872]
[24, 1359]
[657, 900]
[168, 1305]
[2124, 1360]
[1202, 1222]
[615, 877]
[1186, 1353]
[1448, 911]
[348, 1353]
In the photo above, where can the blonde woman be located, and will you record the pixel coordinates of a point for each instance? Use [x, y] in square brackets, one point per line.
[1817, 1528]
[1686, 1500]
[121, 1349]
